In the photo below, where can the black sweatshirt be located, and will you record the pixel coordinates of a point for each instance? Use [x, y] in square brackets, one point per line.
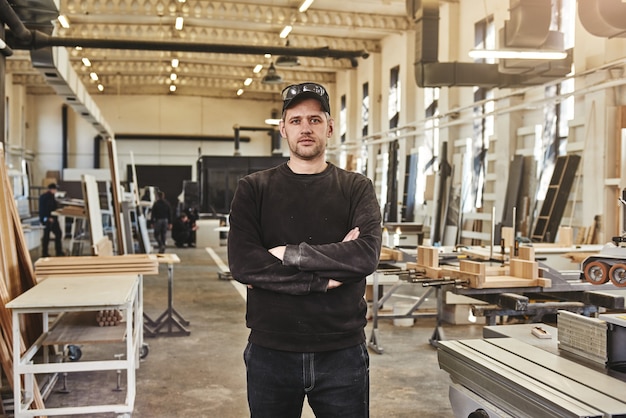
[288, 306]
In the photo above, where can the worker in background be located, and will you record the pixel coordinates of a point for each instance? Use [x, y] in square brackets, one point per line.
[303, 237]
[182, 229]
[47, 205]
[192, 214]
[161, 216]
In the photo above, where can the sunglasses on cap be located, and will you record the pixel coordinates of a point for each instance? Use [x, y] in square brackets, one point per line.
[292, 91]
[313, 90]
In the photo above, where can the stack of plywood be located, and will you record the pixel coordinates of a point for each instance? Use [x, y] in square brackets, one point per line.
[16, 277]
[90, 265]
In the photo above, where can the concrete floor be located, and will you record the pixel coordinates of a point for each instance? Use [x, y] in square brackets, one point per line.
[202, 375]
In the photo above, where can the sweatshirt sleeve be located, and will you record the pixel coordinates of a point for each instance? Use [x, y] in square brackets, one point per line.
[251, 263]
[345, 261]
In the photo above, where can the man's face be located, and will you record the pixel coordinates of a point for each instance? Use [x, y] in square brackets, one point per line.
[307, 129]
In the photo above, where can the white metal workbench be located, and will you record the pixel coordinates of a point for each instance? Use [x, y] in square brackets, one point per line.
[68, 296]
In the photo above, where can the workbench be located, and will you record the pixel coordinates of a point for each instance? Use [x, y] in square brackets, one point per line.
[76, 300]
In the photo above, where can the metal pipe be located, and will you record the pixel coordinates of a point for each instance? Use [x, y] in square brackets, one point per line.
[41, 40]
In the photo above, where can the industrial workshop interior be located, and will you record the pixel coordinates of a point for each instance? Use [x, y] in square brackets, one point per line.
[492, 133]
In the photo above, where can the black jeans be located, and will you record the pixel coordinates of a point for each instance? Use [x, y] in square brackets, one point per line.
[336, 383]
[52, 225]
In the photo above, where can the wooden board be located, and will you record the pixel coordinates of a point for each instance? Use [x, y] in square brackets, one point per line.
[117, 199]
[92, 208]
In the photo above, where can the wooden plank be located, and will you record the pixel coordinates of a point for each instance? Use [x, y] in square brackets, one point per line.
[524, 269]
[526, 252]
[428, 256]
[92, 208]
[10, 265]
[115, 185]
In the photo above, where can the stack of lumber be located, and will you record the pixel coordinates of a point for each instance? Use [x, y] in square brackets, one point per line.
[89, 265]
[16, 277]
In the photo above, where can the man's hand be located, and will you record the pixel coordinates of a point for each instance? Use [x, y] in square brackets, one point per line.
[278, 252]
[332, 284]
[352, 234]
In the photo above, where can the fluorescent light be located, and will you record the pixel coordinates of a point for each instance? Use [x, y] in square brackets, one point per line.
[173, 76]
[179, 23]
[172, 88]
[86, 62]
[517, 54]
[93, 76]
[305, 5]
[239, 92]
[273, 122]
[257, 69]
[64, 21]
[175, 62]
[268, 56]
[100, 87]
[286, 31]
[247, 82]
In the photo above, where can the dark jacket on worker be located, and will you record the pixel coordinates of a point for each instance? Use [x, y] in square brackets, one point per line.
[161, 210]
[47, 205]
[288, 306]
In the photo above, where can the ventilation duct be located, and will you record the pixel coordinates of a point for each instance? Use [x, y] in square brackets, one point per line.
[54, 66]
[521, 31]
[52, 63]
[604, 18]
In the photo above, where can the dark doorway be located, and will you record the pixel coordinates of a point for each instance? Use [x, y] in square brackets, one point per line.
[168, 178]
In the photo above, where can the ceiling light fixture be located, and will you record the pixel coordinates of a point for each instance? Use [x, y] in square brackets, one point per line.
[273, 122]
[93, 76]
[247, 82]
[173, 76]
[286, 31]
[100, 87]
[172, 88]
[272, 77]
[179, 23]
[175, 62]
[305, 5]
[239, 92]
[257, 68]
[63, 20]
[287, 60]
[86, 62]
[517, 54]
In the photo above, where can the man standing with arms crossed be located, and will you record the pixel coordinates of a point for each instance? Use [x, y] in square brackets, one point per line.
[303, 237]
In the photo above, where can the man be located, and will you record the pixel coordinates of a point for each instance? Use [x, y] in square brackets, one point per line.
[182, 229]
[303, 237]
[161, 216]
[47, 205]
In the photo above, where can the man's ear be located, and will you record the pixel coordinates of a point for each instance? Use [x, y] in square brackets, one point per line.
[281, 128]
[331, 127]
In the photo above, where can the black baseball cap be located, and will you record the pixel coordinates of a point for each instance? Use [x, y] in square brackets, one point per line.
[296, 92]
[52, 186]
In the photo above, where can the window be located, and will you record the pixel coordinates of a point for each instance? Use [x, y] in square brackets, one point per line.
[343, 119]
